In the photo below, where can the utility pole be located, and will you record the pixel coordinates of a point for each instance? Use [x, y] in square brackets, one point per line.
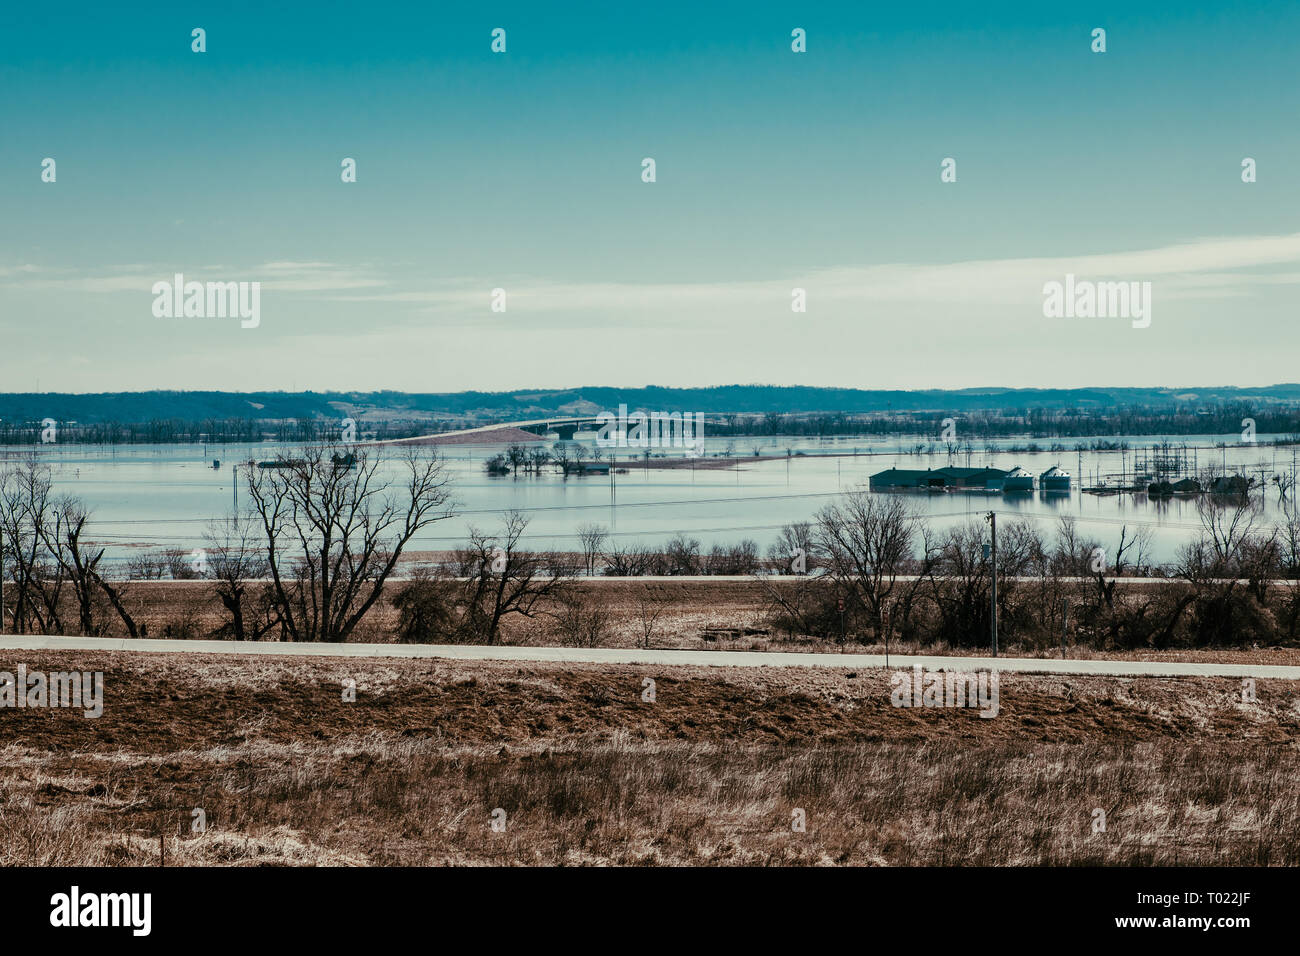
[1065, 617]
[886, 626]
[993, 572]
[234, 488]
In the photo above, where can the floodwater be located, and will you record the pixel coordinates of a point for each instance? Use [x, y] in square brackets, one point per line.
[167, 495]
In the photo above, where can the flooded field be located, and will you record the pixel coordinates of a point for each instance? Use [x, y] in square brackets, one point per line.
[159, 496]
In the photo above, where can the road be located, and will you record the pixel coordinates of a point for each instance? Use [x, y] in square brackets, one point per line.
[657, 657]
[770, 578]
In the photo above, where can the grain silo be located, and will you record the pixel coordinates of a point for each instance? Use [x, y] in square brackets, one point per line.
[1055, 478]
[1018, 480]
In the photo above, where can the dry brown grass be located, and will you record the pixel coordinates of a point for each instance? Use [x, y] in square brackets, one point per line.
[690, 622]
[589, 773]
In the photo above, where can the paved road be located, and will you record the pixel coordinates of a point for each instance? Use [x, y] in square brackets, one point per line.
[599, 655]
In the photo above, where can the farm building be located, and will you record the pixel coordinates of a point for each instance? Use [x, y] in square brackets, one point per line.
[1055, 478]
[1230, 485]
[1018, 479]
[982, 479]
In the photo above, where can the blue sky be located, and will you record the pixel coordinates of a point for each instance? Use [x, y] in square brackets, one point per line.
[522, 171]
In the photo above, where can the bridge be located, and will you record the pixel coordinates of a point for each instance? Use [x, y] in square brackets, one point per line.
[565, 427]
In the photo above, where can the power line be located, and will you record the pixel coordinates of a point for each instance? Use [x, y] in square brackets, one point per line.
[1181, 526]
[677, 503]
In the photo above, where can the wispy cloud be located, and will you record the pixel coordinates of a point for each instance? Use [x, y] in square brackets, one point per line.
[1211, 267]
[290, 277]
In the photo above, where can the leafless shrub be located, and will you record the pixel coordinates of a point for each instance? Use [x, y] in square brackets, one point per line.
[592, 537]
[682, 555]
[629, 561]
[579, 619]
[741, 558]
[496, 579]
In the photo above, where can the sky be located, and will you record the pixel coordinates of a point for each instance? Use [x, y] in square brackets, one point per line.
[522, 171]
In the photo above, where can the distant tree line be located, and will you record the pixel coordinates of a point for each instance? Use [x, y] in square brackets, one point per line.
[1224, 417]
[213, 431]
[1219, 418]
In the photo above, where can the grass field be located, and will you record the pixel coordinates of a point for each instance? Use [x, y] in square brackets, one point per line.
[588, 772]
[699, 617]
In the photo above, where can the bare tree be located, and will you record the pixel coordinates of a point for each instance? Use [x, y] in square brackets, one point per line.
[1129, 552]
[561, 456]
[427, 607]
[628, 561]
[1289, 548]
[800, 604]
[740, 558]
[652, 601]
[580, 620]
[181, 565]
[517, 455]
[793, 551]
[592, 537]
[334, 533]
[960, 582]
[80, 561]
[683, 555]
[26, 528]
[1227, 549]
[505, 580]
[235, 559]
[866, 542]
[1227, 524]
[537, 459]
[148, 566]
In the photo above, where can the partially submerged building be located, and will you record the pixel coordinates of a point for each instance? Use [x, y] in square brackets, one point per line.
[1055, 478]
[1017, 479]
[1186, 486]
[1230, 485]
[939, 479]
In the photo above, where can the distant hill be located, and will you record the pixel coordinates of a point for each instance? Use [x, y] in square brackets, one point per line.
[489, 407]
